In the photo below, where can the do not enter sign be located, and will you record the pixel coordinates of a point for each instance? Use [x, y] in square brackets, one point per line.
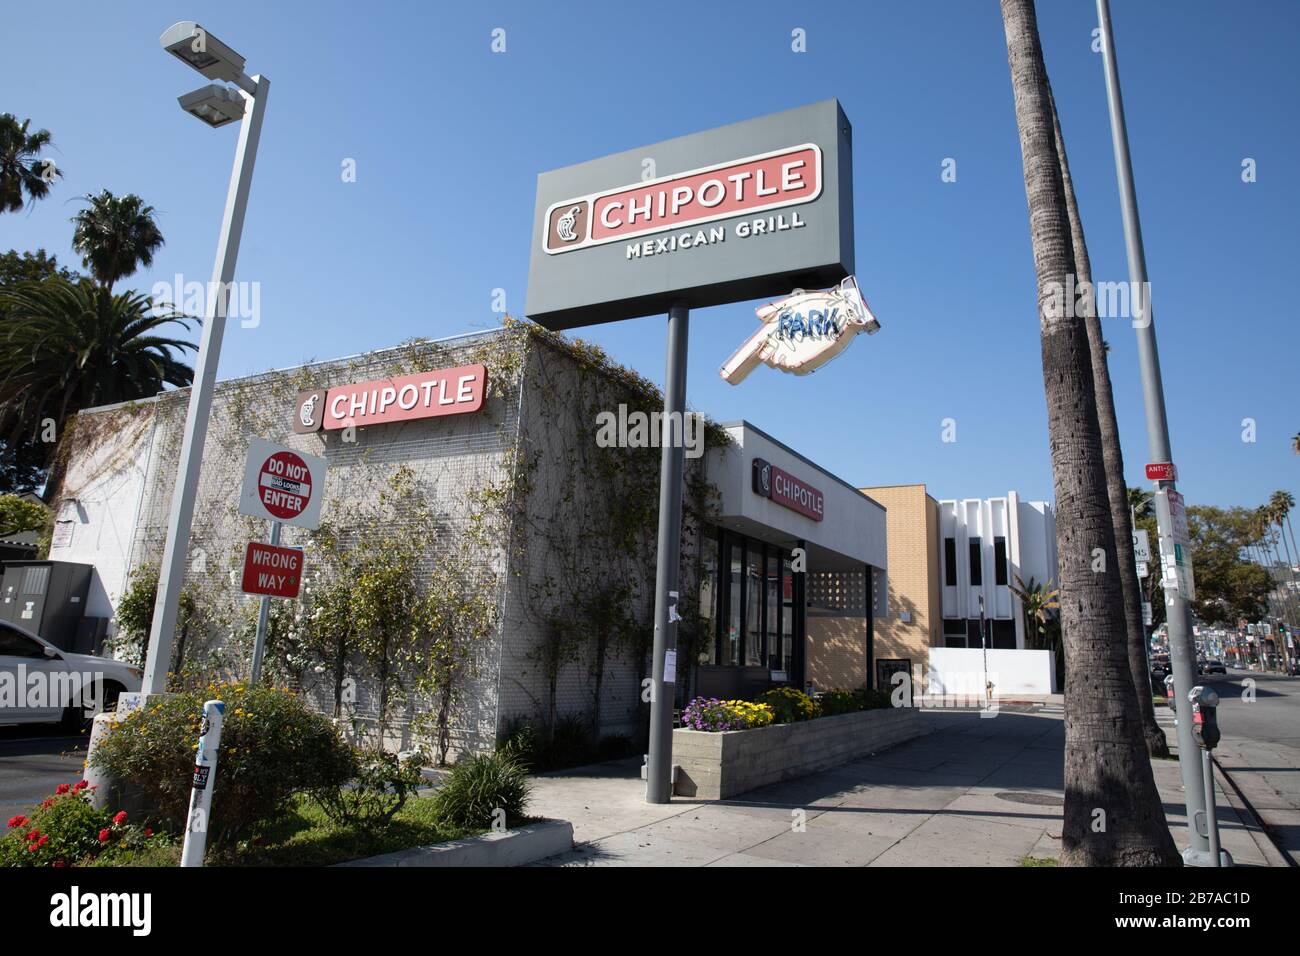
[282, 485]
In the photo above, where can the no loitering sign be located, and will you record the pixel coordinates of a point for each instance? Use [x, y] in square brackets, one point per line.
[281, 484]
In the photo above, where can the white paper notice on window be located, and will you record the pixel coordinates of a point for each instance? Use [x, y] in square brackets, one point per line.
[670, 667]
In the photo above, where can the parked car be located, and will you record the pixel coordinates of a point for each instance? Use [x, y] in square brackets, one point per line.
[1213, 666]
[1160, 669]
[47, 685]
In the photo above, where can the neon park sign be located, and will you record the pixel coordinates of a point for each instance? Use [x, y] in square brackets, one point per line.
[448, 391]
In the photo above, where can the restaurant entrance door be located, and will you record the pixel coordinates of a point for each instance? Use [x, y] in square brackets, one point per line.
[754, 604]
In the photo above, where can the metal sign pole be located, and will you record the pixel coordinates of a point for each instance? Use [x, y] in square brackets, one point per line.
[659, 785]
[1182, 653]
[263, 613]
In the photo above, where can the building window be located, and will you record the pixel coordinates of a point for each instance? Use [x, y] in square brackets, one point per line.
[754, 605]
[731, 633]
[1000, 561]
[709, 583]
[950, 562]
[976, 571]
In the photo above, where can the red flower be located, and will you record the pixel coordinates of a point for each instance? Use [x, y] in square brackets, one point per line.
[148, 832]
[79, 786]
[31, 848]
[120, 818]
[18, 821]
[59, 863]
[103, 836]
[45, 838]
[61, 789]
[33, 836]
[47, 803]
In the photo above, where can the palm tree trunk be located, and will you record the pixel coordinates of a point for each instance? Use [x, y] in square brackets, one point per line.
[1113, 459]
[1113, 814]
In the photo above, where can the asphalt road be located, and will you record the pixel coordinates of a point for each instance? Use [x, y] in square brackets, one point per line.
[1259, 718]
[33, 761]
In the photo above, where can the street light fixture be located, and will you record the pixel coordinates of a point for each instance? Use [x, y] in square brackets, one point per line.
[216, 105]
[195, 47]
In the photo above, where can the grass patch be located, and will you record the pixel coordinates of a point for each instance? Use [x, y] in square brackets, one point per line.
[305, 836]
[1039, 861]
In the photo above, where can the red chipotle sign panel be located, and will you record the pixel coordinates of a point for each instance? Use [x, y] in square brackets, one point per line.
[446, 391]
[785, 489]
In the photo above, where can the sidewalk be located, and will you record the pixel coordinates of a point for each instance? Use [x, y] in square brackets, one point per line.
[976, 792]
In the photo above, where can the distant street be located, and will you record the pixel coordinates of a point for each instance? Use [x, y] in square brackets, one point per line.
[1260, 749]
[33, 761]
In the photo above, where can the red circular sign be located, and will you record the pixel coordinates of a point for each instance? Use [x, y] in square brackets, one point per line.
[284, 485]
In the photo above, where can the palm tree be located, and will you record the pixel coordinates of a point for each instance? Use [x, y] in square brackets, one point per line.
[115, 236]
[1295, 443]
[1113, 459]
[1037, 601]
[21, 168]
[1140, 502]
[67, 346]
[1106, 763]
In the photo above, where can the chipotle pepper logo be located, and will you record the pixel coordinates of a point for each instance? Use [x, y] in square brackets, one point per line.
[309, 411]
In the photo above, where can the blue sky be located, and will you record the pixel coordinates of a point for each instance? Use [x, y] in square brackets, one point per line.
[448, 138]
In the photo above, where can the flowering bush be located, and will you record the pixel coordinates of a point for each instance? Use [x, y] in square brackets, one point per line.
[790, 705]
[713, 715]
[272, 746]
[65, 829]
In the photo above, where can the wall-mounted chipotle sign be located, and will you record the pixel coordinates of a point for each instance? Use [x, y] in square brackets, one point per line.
[445, 391]
[785, 489]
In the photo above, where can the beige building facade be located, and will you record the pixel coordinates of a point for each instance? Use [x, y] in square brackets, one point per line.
[912, 623]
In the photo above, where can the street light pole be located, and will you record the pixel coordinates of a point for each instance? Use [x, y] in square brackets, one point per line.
[171, 575]
[1182, 653]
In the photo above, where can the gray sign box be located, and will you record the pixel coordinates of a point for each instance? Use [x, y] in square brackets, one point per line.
[602, 280]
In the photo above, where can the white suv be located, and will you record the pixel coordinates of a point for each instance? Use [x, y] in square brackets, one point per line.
[41, 684]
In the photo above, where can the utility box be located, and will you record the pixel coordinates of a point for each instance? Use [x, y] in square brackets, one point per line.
[47, 598]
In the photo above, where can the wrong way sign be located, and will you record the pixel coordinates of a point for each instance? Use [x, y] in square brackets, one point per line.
[281, 484]
[272, 570]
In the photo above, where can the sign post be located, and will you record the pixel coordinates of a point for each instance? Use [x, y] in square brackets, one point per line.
[286, 487]
[659, 784]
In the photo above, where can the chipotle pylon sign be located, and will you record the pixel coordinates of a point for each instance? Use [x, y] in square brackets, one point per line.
[746, 211]
[446, 391]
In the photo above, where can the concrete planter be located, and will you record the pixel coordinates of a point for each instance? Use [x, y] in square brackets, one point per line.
[527, 844]
[717, 766]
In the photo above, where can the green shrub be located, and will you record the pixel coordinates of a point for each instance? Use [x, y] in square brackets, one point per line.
[520, 738]
[790, 705]
[380, 789]
[840, 701]
[835, 702]
[479, 786]
[272, 746]
[65, 830]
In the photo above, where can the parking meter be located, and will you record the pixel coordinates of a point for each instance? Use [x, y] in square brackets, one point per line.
[1205, 719]
[1169, 691]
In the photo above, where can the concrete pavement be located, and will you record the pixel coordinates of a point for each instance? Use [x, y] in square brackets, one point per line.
[976, 792]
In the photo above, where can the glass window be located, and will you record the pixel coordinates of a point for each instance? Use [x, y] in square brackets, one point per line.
[14, 644]
[950, 562]
[708, 599]
[1000, 561]
[731, 633]
[976, 564]
[787, 615]
[754, 605]
[773, 605]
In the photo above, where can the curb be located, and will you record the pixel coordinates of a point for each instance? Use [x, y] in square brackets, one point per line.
[1254, 824]
[527, 844]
